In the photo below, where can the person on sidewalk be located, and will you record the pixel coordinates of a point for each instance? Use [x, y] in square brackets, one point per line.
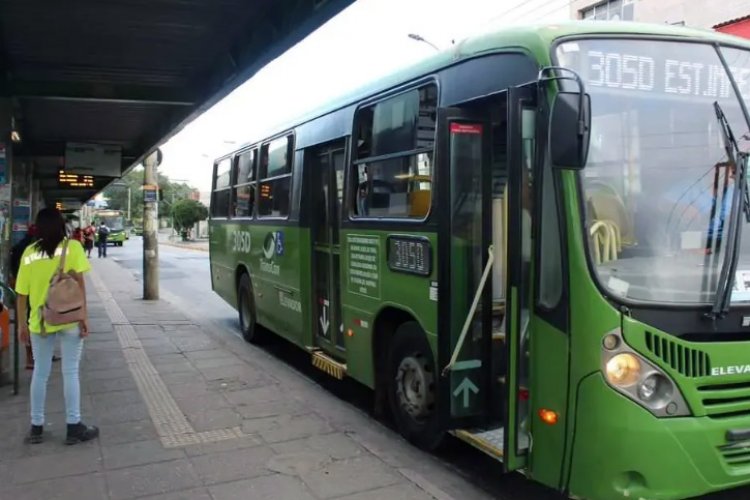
[15, 262]
[78, 235]
[39, 263]
[103, 236]
[89, 235]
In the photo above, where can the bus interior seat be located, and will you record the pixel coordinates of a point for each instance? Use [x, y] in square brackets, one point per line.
[419, 203]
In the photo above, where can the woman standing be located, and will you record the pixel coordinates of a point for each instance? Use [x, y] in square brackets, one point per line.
[39, 263]
[89, 234]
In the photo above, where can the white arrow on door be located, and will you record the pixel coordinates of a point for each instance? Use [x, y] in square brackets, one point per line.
[324, 322]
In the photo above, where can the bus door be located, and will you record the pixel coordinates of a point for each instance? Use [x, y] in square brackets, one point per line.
[521, 142]
[327, 179]
[482, 392]
[464, 282]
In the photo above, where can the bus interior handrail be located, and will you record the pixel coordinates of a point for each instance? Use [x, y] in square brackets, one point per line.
[472, 310]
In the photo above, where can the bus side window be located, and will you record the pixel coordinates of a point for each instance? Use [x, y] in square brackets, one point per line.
[222, 193]
[393, 164]
[244, 183]
[275, 177]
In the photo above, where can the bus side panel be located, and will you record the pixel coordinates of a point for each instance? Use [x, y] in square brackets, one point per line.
[222, 261]
[366, 291]
[276, 256]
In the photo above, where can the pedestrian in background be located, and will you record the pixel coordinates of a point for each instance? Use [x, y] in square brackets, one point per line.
[103, 233]
[51, 254]
[89, 235]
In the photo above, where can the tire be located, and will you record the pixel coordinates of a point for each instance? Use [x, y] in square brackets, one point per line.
[412, 387]
[246, 310]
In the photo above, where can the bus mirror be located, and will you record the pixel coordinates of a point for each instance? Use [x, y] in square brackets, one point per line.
[570, 130]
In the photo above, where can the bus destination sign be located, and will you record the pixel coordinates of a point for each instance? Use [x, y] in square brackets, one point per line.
[69, 180]
[410, 254]
[685, 70]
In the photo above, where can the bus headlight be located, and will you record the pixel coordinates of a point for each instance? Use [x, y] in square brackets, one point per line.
[639, 379]
[656, 390]
[623, 370]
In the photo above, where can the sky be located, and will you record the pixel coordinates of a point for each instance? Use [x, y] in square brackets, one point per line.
[367, 40]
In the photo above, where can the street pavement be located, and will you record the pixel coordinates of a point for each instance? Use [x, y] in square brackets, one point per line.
[188, 410]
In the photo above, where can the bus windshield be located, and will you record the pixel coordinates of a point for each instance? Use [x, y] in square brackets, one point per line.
[658, 184]
[114, 223]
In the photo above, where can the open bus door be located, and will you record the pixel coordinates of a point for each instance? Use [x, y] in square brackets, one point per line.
[482, 393]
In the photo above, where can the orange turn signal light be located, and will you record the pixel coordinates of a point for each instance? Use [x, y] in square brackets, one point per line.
[350, 332]
[549, 417]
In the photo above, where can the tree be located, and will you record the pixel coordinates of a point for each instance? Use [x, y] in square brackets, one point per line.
[117, 194]
[187, 213]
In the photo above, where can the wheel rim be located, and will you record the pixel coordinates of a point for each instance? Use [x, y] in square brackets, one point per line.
[245, 311]
[414, 384]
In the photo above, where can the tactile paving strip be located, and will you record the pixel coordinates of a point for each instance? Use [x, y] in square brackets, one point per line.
[172, 426]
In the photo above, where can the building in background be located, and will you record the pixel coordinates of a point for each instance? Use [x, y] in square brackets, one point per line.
[736, 27]
[694, 13]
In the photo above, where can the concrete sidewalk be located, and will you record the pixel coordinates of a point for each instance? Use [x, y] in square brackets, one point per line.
[190, 412]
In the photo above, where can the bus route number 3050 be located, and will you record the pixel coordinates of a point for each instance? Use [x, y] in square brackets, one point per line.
[241, 241]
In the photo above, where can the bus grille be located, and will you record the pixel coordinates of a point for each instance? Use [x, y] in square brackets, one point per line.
[726, 400]
[736, 456]
[687, 361]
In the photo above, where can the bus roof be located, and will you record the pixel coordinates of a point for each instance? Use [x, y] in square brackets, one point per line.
[535, 39]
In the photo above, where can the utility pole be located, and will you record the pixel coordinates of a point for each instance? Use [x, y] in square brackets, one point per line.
[150, 227]
[130, 219]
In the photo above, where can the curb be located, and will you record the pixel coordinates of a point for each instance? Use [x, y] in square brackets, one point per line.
[186, 247]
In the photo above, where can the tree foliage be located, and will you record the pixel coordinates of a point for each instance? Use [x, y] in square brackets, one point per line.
[187, 213]
[117, 194]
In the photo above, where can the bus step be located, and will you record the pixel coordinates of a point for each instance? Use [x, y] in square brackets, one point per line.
[322, 361]
[490, 441]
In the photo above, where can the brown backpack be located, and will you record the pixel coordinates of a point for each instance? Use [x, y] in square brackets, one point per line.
[65, 300]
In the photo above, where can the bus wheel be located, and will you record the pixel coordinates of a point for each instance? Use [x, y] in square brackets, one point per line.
[411, 378]
[246, 308]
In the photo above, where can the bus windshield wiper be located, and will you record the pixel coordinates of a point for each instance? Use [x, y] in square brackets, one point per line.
[737, 163]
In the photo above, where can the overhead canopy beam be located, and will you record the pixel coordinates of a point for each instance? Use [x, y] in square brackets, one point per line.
[125, 94]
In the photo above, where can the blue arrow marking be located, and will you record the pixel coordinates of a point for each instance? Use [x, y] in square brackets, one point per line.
[466, 386]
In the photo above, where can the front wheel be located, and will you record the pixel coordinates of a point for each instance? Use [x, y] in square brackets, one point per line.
[411, 388]
[246, 308]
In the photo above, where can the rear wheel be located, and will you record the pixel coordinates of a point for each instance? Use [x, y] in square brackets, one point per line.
[246, 308]
[411, 386]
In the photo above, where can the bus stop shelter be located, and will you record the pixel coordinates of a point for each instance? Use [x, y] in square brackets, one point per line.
[89, 87]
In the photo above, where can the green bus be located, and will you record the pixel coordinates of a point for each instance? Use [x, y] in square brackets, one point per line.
[531, 241]
[115, 221]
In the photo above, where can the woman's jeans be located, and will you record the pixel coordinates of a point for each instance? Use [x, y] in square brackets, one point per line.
[71, 345]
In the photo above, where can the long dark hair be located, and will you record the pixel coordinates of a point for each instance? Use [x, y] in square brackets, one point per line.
[50, 227]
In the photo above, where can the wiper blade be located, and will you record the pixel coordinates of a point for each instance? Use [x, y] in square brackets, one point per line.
[737, 163]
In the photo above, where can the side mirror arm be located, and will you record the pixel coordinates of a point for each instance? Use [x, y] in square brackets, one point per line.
[569, 74]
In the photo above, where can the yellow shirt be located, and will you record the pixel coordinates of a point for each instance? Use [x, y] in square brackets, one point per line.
[35, 274]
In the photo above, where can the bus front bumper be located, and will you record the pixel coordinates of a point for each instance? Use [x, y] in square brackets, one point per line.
[621, 450]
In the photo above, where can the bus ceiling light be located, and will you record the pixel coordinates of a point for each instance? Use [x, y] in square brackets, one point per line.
[623, 370]
[549, 417]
